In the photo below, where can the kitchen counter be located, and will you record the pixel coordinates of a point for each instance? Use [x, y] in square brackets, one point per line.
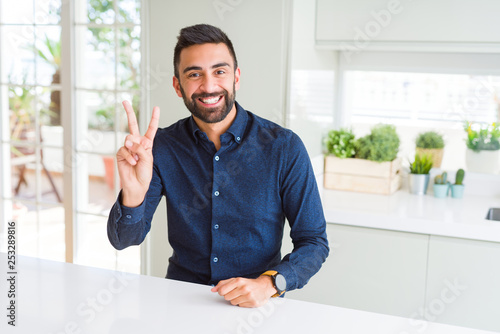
[404, 212]
[56, 297]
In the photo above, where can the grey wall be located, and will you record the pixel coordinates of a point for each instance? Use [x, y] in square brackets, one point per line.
[259, 30]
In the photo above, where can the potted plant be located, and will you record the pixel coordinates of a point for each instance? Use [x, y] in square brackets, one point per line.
[483, 147]
[432, 143]
[457, 189]
[419, 174]
[441, 185]
[369, 164]
[382, 144]
[340, 143]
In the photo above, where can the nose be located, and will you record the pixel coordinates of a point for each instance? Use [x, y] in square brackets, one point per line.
[209, 84]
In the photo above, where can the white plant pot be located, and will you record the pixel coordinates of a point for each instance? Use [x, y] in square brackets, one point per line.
[418, 183]
[483, 161]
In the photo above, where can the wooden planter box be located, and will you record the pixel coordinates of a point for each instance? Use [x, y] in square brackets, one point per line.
[362, 175]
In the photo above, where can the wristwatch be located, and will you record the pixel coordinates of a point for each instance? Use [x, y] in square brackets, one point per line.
[279, 282]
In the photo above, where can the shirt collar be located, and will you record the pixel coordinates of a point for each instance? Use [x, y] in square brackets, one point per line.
[237, 129]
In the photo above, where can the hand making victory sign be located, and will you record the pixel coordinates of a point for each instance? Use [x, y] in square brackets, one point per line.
[135, 158]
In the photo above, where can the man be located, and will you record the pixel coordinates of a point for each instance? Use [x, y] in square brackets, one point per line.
[230, 179]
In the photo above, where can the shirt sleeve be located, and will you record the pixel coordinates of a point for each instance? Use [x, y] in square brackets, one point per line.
[129, 226]
[304, 211]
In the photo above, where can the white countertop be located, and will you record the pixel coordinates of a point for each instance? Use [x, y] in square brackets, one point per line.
[402, 211]
[56, 297]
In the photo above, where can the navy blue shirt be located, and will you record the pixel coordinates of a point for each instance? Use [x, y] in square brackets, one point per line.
[226, 209]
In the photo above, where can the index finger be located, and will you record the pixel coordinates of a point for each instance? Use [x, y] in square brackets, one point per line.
[132, 120]
[153, 124]
[220, 284]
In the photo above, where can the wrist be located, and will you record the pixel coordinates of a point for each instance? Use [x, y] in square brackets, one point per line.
[278, 281]
[267, 281]
[131, 199]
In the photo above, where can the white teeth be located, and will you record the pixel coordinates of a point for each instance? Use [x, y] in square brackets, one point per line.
[211, 100]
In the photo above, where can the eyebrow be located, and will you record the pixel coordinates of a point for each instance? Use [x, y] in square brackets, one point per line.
[197, 68]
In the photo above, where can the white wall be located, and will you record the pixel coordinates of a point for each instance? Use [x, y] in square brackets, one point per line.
[305, 57]
[259, 32]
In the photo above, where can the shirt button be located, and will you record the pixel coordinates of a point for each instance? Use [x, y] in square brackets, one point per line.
[128, 216]
[216, 259]
[216, 158]
[238, 138]
[216, 226]
[216, 193]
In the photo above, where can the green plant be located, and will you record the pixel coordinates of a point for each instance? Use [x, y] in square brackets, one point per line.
[382, 144]
[341, 143]
[459, 178]
[441, 179]
[482, 137]
[49, 52]
[422, 164]
[430, 140]
[104, 119]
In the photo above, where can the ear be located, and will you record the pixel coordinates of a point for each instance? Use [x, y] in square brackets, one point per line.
[177, 86]
[237, 74]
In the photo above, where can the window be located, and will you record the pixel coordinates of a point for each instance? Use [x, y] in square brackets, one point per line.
[31, 117]
[106, 41]
[107, 68]
[422, 99]
[311, 105]
[419, 92]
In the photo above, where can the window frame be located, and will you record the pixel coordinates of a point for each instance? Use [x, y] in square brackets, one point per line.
[69, 91]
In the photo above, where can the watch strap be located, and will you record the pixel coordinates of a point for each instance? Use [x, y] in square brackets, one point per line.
[272, 274]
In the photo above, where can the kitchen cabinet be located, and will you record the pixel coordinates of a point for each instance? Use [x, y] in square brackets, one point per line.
[414, 256]
[445, 25]
[473, 268]
[370, 270]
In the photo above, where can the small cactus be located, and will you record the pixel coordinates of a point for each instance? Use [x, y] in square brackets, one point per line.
[459, 179]
[441, 179]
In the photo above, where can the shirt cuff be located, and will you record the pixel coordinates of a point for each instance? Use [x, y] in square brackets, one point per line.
[285, 269]
[127, 215]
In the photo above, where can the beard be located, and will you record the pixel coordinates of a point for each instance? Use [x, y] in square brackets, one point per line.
[210, 115]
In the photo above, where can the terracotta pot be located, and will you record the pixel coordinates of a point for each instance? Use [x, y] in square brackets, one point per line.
[109, 168]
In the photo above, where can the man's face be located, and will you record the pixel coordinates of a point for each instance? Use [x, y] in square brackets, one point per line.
[207, 81]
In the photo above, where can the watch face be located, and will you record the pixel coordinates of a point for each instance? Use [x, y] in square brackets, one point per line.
[280, 282]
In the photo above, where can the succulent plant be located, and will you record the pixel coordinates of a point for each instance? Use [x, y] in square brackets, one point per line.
[459, 178]
[422, 164]
[441, 179]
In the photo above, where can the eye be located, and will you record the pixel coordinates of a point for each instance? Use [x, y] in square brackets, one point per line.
[220, 72]
[194, 75]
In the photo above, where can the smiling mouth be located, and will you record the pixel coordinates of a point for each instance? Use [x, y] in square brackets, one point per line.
[210, 101]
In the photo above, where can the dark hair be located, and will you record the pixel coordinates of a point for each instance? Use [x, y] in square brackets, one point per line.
[200, 34]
